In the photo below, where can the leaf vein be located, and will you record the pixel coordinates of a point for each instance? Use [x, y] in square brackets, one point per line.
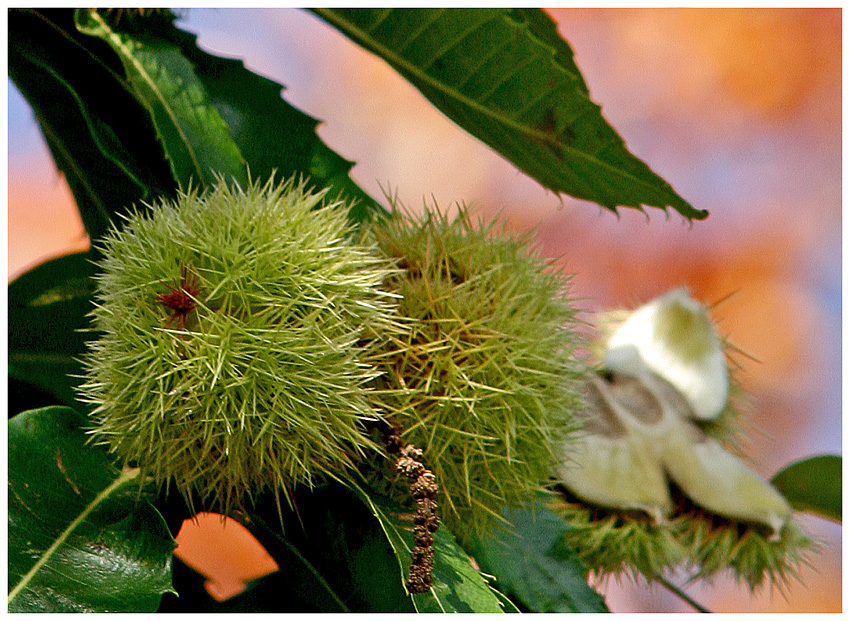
[125, 476]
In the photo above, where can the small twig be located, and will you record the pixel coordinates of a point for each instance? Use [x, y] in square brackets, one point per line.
[684, 596]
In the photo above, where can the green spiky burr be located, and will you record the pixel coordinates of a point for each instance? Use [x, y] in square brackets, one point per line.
[482, 379]
[235, 324]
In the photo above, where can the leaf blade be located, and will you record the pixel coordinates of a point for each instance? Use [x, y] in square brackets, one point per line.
[530, 564]
[48, 323]
[813, 485]
[99, 135]
[196, 139]
[457, 585]
[79, 539]
[489, 73]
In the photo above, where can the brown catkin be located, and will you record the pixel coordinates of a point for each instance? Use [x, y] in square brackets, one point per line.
[424, 490]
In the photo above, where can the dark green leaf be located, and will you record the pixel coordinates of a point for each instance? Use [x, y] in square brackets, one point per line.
[190, 593]
[271, 134]
[269, 593]
[498, 75]
[196, 139]
[813, 485]
[47, 318]
[100, 136]
[80, 537]
[331, 552]
[457, 585]
[542, 27]
[530, 563]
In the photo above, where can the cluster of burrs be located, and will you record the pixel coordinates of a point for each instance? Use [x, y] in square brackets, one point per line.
[253, 339]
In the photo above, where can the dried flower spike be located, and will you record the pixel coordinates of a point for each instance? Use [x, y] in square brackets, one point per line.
[423, 488]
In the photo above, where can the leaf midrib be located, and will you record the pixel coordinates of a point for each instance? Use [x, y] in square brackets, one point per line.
[124, 477]
[390, 56]
[140, 69]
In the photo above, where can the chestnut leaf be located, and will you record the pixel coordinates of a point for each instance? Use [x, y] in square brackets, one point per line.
[82, 537]
[499, 76]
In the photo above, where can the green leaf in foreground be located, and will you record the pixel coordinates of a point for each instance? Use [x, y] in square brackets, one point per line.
[531, 564]
[498, 75]
[813, 485]
[80, 538]
[196, 139]
[544, 28]
[332, 553]
[457, 585]
[47, 315]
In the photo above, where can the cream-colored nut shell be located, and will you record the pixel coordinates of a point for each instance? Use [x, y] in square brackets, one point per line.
[675, 338]
[639, 432]
[716, 480]
[619, 469]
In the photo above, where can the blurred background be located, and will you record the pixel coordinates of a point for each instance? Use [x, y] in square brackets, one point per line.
[739, 109]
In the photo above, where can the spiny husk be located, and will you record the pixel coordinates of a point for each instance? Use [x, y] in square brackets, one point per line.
[263, 382]
[617, 542]
[483, 378]
[717, 545]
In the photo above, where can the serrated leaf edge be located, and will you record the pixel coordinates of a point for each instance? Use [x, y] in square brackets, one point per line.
[401, 64]
[116, 41]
